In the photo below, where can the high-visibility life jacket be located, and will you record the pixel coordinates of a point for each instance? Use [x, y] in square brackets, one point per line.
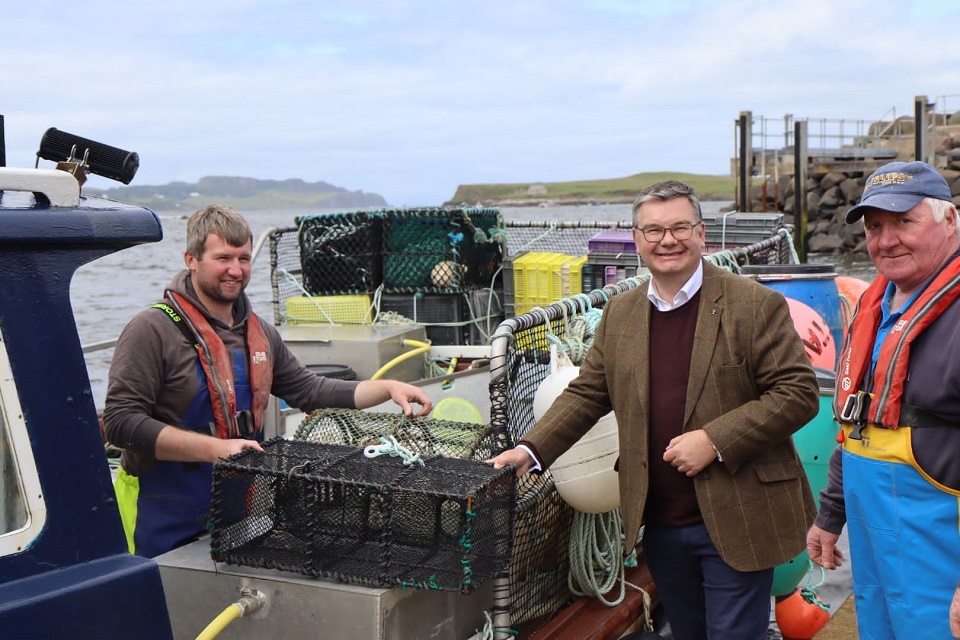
[890, 372]
[215, 360]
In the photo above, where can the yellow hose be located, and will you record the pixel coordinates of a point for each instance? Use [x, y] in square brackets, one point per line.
[220, 623]
[453, 365]
[421, 348]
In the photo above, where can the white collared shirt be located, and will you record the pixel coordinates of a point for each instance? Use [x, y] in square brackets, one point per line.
[683, 296]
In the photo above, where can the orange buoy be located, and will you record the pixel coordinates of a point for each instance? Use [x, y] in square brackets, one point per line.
[817, 340]
[850, 290]
[797, 618]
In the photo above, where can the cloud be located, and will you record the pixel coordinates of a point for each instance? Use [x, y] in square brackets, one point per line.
[410, 98]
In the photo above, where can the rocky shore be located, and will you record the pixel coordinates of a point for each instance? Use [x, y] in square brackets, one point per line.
[829, 196]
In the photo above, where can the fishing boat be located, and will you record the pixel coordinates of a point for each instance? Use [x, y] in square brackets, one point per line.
[64, 566]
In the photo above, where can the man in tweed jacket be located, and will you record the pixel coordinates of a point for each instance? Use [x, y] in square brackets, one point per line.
[708, 379]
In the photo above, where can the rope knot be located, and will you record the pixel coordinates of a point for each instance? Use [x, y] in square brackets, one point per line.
[389, 446]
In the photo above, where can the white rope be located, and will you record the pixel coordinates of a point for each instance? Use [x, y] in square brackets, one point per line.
[390, 446]
[306, 293]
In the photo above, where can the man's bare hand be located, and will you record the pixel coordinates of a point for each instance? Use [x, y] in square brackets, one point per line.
[516, 456]
[235, 445]
[822, 548]
[690, 453]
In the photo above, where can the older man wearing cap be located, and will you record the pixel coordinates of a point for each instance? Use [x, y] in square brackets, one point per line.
[895, 478]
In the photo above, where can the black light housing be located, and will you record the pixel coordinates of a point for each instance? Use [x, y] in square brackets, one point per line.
[100, 159]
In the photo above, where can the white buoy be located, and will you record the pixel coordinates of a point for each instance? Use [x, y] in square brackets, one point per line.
[584, 475]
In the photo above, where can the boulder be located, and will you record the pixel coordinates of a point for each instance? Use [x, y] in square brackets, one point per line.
[832, 179]
[832, 197]
[852, 189]
[824, 243]
[786, 188]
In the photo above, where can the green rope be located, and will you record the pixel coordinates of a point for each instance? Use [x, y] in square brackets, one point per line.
[412, 584]
[466, 542]
[809, 591]
[497, 235]
[596, 547]
[587, 557]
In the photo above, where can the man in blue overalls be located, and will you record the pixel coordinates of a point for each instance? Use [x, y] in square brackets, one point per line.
[895, 479]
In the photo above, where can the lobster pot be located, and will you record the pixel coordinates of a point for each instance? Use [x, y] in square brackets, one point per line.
[423, 436]
[441, 250]
[327, 510]
[340, 252]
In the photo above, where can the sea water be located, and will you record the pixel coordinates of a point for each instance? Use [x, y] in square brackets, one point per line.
[106, 293]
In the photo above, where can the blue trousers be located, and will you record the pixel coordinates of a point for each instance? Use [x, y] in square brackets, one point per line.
[904, 546]
[703, 596]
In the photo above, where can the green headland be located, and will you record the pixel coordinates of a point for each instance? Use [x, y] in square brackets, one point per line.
[708, 187]
[252, 193]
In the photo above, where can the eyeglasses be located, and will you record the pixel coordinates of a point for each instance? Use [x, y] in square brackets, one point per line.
[681, 231]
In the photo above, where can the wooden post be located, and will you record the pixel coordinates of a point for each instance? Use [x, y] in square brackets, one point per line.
[800, 189]
[921, 123]
[746, 160]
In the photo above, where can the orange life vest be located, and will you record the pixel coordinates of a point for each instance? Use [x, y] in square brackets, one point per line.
[890, 372]
[215, 360]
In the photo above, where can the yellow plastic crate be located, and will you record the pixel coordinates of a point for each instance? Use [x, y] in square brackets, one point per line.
[550, 279]
[525, 280]
[574, 276]
[538, 279]
[342, 309]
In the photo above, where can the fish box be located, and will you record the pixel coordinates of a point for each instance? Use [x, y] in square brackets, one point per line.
[613, 242]
[602, 269]
[339, 309]
[466, 318]
[326, 510]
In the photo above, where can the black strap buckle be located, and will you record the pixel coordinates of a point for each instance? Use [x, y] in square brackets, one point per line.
[855, 411]
[246, 425]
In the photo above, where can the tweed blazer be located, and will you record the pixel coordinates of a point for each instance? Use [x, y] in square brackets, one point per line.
[750, 387]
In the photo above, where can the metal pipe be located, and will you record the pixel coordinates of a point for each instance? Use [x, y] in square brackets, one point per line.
[920, 128]
[746, 127]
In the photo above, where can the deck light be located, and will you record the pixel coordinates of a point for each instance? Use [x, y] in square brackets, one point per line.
[94, 157]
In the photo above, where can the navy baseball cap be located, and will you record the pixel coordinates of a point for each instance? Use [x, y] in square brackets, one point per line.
[899, 187]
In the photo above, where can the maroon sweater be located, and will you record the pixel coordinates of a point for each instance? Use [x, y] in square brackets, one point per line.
[671, 499]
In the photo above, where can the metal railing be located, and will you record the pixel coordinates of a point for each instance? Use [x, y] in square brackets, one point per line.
[830, 135]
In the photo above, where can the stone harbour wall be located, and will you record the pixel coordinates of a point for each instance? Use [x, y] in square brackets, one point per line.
[831, 193]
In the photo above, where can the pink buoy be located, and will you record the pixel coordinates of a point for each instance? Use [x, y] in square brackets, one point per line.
[817, 339]
[812, 284]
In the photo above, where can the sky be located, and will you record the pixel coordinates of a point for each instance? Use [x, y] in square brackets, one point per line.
[411, 98]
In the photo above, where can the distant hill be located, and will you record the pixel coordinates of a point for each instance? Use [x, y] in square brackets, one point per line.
[243, 193]
[708, 187]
